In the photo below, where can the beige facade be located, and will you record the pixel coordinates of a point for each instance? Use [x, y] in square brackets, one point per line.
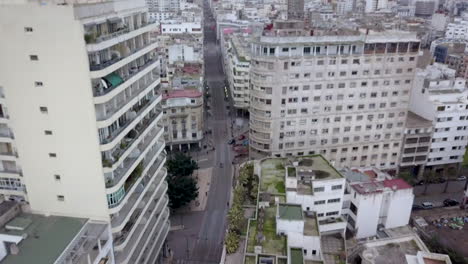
[345, 97]
[81, 108]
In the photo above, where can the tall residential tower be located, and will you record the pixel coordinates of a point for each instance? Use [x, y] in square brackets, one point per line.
[80, 113]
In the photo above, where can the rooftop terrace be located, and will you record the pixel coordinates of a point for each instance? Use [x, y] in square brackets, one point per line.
[46, 237]
[290, 212]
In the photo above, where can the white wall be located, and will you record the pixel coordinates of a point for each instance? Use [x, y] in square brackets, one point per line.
[399, 209]
[286, 226]
[309, 243]
[367, 217]
[58, 41]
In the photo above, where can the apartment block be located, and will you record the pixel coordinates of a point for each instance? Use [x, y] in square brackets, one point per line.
[440, 97]
[416, 144]
[378, 204]
[343, 96]
[458, 29]
[82, 112]
[237, 68]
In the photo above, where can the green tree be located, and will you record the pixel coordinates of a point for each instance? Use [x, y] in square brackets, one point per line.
[429, 176]
[181, 190]
[181, 165]
[407, 176]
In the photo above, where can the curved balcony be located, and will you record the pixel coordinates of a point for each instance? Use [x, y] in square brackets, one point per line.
[260, 106]
[140, 217]
[115, 109]
[150, 246]
[135, 165]
[259, 139]
[130, 141]
[154, 254]
[260, 94]
[259, 128]
[103, 42]
[150, 183]
[125, 126]
[107, 68]
[102, 95]
[127, 242]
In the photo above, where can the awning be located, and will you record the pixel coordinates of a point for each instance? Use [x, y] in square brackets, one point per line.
[113, 79]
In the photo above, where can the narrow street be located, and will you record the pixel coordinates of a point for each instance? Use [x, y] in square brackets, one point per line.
[201, 239]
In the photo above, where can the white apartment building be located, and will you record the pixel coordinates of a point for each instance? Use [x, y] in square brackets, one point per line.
[458, 29]
[81, 97]
[375, 5]
[378, 203]
[237, 68]
[175, 27]
[345, 97]
[159, 10]
[441, 98]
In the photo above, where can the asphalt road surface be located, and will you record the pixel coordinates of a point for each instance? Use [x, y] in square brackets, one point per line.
[201, 241]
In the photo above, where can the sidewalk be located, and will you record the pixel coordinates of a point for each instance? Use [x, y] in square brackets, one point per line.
[203, 182]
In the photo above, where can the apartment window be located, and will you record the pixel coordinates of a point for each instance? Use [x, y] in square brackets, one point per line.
[318, 87]
[332, 213]
[28, 29]
[48, 132]
[319, 215]
[337, 200]
[43, 109]
[319, 189]
[33, 57]
[57, 177]
[52, 155]
[337, 187]
[319, 202]
[38, 84]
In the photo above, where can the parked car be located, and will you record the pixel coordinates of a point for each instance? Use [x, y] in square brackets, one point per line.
[417, 207]
[231, 141]
[461, 178]
[427, 205]
[450, 202]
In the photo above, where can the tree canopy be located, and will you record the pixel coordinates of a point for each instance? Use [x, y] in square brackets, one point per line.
[182, 188]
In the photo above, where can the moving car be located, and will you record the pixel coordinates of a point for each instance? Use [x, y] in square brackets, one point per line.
[417, 207]
[450, 202]
[427, 205]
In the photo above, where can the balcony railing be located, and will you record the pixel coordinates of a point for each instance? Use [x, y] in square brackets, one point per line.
[122, 127]
[129, 161]
[100, 91]
[154, 221]
[111, 109]
[91, 38]
[100, 66]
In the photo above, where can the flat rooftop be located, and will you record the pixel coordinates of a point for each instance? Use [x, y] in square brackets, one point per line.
[290, 212]
[46, 237]
[379, 186]
[416, 121]
[310, 225]
[297, 256]
[318, 167]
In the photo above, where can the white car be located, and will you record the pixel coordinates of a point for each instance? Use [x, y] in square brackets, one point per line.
[461, 178]
[427, 205]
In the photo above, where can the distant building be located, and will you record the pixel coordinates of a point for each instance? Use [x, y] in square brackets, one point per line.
[425, 8]
[375, 5]
[458, 29]
[295, 9]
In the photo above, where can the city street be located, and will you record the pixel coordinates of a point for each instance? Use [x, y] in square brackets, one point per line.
[435, 192]
[201, 238]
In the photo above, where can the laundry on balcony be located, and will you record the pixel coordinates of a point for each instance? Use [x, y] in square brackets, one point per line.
[111, 80]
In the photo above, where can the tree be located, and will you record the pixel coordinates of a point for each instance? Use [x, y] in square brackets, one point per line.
[181, 190]
[406, 175]
[181, 165]
[429, 176]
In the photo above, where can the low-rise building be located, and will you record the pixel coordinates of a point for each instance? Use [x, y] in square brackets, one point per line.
[183, 118]
[378, 204]
[177, 27]
[304, 231]
[40, 239]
